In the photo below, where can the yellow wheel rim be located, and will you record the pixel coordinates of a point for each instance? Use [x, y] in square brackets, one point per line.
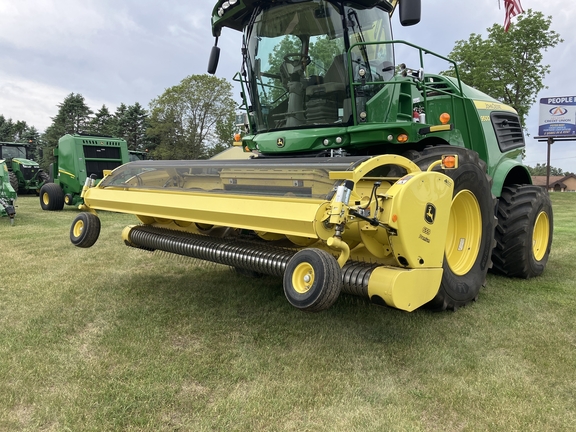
[45, 198]
[540, 236]
[303, 278]
[464, 233]
[67, 200]
[78, 228]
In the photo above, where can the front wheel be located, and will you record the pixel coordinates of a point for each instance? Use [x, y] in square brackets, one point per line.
[524, 232]
[312, 280]
[470, 237]
[85, 230]
[13, 181]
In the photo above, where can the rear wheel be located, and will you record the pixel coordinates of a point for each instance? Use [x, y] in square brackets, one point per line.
[13, 181]
[470, 237]
[51, 197]
[524, 232]
[85, 230]
[312, 280]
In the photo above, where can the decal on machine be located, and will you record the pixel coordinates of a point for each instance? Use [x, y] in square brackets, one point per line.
[430, 213]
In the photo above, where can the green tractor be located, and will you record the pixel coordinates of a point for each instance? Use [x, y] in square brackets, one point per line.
[7, 193]
[79, 158]
[25, 174]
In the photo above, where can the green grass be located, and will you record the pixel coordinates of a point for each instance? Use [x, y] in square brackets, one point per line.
[113, 338]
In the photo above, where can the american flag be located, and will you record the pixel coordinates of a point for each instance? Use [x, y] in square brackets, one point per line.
[513, 8]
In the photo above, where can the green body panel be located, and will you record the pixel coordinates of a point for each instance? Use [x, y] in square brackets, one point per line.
[7, 193]
[79, 156]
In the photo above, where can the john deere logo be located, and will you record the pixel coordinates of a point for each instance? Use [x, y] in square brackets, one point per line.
[280, 142]
[430, 213]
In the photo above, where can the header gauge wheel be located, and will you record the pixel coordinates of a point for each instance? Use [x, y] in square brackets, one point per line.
[85, 230]
[312, 280]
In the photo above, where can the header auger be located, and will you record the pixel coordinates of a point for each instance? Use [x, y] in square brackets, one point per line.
[366, 178]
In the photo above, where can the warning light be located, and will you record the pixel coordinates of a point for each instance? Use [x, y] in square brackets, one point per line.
[444, 118]
[237, 137]
[449, 161]
[394, 218]
[402, 138]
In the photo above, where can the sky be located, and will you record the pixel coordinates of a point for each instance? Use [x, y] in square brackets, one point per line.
[128, 51]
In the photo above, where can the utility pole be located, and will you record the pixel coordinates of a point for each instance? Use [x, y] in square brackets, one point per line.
[550, 142]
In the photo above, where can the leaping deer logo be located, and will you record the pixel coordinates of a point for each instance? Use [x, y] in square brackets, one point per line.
[430, 213]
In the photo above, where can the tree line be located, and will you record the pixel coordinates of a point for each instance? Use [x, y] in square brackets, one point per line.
[195, 119]
[192, 120]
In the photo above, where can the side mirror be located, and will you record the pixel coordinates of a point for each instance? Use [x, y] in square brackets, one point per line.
[410, 12]
[213, 62]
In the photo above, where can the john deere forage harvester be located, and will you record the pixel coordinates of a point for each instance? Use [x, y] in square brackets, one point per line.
[348, 191]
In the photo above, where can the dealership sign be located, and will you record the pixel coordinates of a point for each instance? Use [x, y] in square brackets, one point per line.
[557, 117]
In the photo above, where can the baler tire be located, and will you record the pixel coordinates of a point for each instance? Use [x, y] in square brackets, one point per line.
[524, 231]
[51, 197]
[85, 230]
[324, 275]
[13, 181]
[463, 278]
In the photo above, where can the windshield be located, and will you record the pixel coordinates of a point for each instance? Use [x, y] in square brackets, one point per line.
[297, 64]
[10, 152]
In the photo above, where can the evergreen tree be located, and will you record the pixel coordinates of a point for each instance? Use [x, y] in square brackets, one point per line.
[103, 123]
[131, 124]
[6, 129]
[73, 117]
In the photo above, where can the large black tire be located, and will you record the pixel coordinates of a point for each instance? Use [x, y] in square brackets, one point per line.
[524, 232]
[85, 230]
[470, 238]
[13, 181]
[51, 197]
[43, 178]
[312, 280]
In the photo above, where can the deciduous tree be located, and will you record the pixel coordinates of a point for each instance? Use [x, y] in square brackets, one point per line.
[540, 170]
[508, 65]
[191, 118]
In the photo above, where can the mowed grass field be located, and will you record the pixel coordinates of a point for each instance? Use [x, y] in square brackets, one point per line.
[112, 338]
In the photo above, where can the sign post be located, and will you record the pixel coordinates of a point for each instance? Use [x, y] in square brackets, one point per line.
[557, 122]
